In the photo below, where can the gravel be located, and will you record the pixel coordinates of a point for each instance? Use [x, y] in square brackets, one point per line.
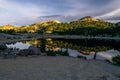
[57, 68]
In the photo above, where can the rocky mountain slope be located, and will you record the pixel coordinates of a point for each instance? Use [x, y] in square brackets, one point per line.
[89, 18]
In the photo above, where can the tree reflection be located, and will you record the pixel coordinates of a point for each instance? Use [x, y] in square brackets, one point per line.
[34, 42]
[43, 45]
[84, 46]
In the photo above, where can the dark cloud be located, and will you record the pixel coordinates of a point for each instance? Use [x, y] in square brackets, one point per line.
[50, 16]
[113, 18]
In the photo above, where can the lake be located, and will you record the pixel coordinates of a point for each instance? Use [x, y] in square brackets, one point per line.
[88, 48]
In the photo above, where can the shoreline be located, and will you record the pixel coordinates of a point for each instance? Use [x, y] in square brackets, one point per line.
[80, 37]
[59, 37]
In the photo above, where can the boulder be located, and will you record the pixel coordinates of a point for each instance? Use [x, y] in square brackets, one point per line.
[3, 46]
[25, 52]
[35, 50]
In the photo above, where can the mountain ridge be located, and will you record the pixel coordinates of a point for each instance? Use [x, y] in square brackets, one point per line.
[89, 19]
[47, 22]
[57, 26]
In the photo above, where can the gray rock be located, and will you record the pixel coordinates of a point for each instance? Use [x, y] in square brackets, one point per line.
[35, 50]
[25, 52]
[3, 46]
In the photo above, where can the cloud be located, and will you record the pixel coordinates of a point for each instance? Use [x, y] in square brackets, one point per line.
[110, 14]
[51, 16]
[12, 12]
[103, 9]
[21, 12]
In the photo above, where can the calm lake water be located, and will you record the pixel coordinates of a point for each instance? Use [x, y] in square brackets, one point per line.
[89, 48]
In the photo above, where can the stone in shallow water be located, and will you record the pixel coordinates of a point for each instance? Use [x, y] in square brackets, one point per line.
[25, 52]
[35, 50]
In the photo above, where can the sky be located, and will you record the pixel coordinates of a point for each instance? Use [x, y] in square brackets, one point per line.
[23, 12]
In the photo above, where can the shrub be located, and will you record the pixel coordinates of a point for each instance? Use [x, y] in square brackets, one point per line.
[116, 60]
[64, 53]
[51, 53]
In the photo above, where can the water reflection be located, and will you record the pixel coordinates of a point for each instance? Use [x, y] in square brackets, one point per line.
[19, 45]
[33, 42]
[89, 48]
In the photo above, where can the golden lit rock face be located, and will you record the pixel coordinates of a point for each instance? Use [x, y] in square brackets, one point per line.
[89, 18]
[48, 22]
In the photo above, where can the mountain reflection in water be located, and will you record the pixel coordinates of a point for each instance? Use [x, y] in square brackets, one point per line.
[89, 48]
